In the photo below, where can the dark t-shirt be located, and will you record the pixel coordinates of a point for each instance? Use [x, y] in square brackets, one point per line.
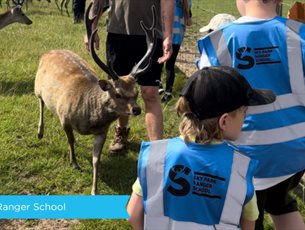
[125, 16]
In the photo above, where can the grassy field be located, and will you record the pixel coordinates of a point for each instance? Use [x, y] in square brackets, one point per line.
[32, 166]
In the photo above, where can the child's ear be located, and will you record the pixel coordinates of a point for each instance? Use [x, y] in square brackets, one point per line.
[222, 122]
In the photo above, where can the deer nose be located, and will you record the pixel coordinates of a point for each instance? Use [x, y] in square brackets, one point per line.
[136, 111]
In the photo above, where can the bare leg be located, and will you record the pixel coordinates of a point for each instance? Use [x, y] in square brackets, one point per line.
[99, 141]
[135, 209]
[291, 221]
[41, 123]
[153, 112]
[153, 119]
[247, 224]
[69, 132]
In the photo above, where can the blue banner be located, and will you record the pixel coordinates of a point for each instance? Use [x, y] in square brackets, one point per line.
[63, 207]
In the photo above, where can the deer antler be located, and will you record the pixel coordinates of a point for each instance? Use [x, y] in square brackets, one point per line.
[18, 2]
[91, 36]
[89, 21]
[151, 41]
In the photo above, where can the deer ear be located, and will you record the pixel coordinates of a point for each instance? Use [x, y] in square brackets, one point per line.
[104, 84]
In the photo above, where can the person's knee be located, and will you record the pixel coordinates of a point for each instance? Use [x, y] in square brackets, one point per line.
[150, 94]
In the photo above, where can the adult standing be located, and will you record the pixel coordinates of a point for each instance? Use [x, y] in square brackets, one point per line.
[182, 19]
[269, 51]
[78, 7]
[126, 45]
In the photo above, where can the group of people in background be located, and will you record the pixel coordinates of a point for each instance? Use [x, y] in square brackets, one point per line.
[241, 148]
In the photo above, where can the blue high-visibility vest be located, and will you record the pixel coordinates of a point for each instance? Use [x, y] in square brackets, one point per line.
[193, 186]
[271, 55]
[179, 23]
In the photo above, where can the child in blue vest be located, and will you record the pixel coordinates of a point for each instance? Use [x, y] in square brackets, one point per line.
[270, 52]
[198, 180]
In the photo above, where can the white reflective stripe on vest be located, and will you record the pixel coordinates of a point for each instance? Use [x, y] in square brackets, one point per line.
[219, 44]
[236, 191]
[296, 98]
[155, 170]
[154, 215]
[282, 102]
[272, 136]
[178, 30]
[179, 19]
[295, 57]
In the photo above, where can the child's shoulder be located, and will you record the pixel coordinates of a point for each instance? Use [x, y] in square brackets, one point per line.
[162, 141]
[238, 151]
[231, 145]
[234, 147]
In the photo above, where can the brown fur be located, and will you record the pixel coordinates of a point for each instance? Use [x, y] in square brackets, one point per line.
[69, 88]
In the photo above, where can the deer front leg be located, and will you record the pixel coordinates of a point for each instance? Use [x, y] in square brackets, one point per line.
[66, 7]
[99, 141]
[56, 2]
[71, 140]
[61, 5]
[41, 123]
[8, 5]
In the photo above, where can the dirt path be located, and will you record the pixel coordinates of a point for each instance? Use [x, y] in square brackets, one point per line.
[186, 60]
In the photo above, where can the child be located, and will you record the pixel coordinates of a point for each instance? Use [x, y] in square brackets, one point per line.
[269, 51]
[198, 180]
[217, 21]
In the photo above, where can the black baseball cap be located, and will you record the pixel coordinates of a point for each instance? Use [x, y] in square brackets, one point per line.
[213, 91]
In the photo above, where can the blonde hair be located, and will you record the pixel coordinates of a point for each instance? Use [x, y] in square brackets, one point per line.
[195, 130]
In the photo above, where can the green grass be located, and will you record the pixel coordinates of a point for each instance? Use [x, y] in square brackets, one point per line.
[32, 166]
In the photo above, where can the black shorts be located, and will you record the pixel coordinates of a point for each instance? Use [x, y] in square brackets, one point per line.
[127, 50]
[276, 200]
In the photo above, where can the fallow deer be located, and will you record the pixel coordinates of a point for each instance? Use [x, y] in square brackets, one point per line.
[70, 89]
[12, 16]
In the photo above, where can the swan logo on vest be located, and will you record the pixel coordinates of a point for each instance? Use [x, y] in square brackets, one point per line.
[184, 184]
[198, 183]
[249, 57]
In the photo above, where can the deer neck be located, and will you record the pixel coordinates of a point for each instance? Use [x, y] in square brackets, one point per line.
[101, 106]
[98, 99]
[6, 19]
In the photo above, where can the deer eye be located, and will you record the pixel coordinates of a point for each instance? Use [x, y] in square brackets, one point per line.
[117, 95]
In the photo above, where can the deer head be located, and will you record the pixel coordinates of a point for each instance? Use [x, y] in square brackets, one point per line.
[20, 16]
[12, 16]
[142, 66]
